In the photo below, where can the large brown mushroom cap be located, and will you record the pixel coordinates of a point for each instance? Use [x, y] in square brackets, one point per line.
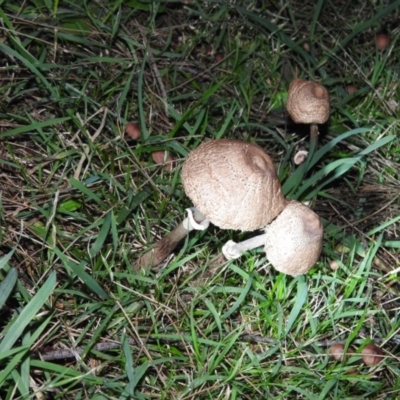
[308, 102]
[294, 239]
[233, 183]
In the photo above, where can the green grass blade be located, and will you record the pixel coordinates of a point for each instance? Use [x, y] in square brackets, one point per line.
[85, 190]
[36, 126]
[338, 168]
[243, 293]
[8, 50]
[79, 271]
[275, 30]
[5, 259]
[102, 236]
[7, 286]
[28, 313]
[301, 297]
[129, 368]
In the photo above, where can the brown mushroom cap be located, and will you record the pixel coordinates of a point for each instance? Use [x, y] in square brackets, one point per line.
[372, 354]
[294, 239]
[337, 352]
[308, 102]
[233, 183]
[382, 41]
[133, 131]
[165, 158]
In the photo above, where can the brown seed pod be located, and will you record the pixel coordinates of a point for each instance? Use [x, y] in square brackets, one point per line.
[372, 354]
[133, 131]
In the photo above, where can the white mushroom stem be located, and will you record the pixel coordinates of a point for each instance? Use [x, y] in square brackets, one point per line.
[191, 223]
[232, 250]
[195, 220]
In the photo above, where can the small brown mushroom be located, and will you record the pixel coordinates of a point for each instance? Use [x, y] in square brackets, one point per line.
[308, 103]
[351, 89]
[382, 41]
[219, 57]
[294, 239]
[334, 265]
[372, 354]
[165, 158]
[337, 352]
[133, 131]
[234, 184]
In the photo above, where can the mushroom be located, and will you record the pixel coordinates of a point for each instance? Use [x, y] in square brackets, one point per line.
[308, 103]
[382, 40]
[234, 184]
[133, 131]
[337, 352]
[372, 354]
[165, 158]
[293, 240]
[351, 89]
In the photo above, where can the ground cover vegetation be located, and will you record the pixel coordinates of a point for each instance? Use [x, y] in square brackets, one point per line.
[81, 200]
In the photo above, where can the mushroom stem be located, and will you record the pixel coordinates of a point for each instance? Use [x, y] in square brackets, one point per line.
[314, 134]
[233, 250]
[195, 220]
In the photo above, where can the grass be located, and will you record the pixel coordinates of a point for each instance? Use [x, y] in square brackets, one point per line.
[81, 202]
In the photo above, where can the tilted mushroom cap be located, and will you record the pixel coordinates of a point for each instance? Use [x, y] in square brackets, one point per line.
[294, 239]
[308, 102]
[233, 183]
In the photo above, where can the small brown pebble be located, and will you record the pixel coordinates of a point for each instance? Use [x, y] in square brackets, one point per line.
[165, 158]
[372, 354]
[382, 41]
[133, 131]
